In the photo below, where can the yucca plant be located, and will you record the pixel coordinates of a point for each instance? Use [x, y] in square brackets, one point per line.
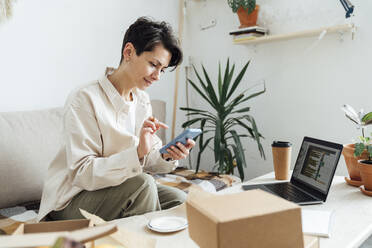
[228, 113]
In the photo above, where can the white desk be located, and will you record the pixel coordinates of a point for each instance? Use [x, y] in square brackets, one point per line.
[351, 223]
[352, 217]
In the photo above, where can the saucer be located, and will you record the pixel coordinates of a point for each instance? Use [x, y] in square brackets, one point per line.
[366, 192]
[354, 183]
[167, 224]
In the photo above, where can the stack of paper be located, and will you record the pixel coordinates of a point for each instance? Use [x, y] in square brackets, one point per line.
[248, 33]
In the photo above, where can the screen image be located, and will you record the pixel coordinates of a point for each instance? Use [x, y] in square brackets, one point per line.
[315, 165]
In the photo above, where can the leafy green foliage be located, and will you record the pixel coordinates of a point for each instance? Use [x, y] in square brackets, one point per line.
[248, 5]
[359, 148]
[364, 144]
[362, 121]
[367, 119]
[228, 113]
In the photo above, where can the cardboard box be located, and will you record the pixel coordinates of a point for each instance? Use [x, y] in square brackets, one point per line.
[46, 233]
[252, 218]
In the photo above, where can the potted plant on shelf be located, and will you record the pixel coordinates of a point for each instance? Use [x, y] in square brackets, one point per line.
[365, 165]
[228, 112]
[247, 11]
[349, 152]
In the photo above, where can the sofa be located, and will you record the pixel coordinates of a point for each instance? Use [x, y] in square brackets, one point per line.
[29, 141]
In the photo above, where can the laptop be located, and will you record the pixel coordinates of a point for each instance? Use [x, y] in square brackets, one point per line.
[312, 174]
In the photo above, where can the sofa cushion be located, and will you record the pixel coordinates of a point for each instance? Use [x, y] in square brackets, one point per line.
[28, 142]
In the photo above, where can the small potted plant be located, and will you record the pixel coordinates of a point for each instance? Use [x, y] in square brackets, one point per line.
[353, 152]
[365, 165]
[247, 11]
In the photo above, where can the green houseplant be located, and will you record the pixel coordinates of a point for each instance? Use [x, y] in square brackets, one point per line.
[228, 112]
[365, 165]
[359, 150]
[247, 11]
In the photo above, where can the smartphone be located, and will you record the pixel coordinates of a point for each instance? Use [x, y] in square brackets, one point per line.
[189, 133]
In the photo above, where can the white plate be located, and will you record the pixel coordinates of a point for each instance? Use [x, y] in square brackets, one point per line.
[167, 224]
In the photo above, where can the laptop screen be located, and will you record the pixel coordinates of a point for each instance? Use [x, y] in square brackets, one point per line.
[316, 164]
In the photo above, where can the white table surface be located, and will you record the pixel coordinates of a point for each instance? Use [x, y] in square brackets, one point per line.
[351, 223]
[350, 226]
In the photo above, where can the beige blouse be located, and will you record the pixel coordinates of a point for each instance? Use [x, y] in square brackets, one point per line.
[98, 150]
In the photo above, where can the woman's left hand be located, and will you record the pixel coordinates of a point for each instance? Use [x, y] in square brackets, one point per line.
[179, 151]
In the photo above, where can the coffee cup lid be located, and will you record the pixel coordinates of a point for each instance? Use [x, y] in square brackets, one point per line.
[281, 144]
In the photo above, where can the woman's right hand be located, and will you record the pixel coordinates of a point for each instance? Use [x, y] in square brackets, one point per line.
[146, 139]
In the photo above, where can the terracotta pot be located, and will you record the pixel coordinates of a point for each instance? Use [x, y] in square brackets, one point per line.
[247, 20]
[365, 168]
[352, 162]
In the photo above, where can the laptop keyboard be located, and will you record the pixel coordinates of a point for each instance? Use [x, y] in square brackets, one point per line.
[289, 192]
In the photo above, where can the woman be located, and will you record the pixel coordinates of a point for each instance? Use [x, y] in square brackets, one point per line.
[110, 137]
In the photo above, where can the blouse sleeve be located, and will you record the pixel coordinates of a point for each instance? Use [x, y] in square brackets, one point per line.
[88, 169]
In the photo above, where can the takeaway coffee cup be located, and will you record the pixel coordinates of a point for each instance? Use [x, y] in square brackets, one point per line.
[282, 159]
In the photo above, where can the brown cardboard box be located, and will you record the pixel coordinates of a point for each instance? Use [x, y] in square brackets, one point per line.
[252, 218]
[46, 233]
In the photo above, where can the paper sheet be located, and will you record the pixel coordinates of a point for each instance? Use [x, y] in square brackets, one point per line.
[316, 222]
[26, 216]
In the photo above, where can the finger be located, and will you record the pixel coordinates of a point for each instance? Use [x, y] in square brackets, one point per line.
[173, 154]
[183, 149]
[158, 123]
[166, 155]
[178, 152]
[147, 130]
[190, 143]
[150, 124]
[163, 125]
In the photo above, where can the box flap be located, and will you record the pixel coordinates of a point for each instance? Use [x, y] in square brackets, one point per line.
[20, 229]
[311, 241]
[48, 239]
[52, 226]
[123, 236]
[92, 233]
[240, 205]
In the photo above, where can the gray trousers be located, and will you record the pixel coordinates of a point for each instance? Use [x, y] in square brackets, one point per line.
[135, 196]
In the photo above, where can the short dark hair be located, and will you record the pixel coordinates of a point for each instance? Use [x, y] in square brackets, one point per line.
[145, 34]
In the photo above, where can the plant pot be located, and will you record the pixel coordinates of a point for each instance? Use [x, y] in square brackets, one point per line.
[247, 20]
[365, 168]
[352, 162]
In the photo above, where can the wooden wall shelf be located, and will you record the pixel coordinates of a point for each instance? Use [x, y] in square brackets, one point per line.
[307, 33]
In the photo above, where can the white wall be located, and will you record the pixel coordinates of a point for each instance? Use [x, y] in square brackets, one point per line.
[50, 47]
[306, 81]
